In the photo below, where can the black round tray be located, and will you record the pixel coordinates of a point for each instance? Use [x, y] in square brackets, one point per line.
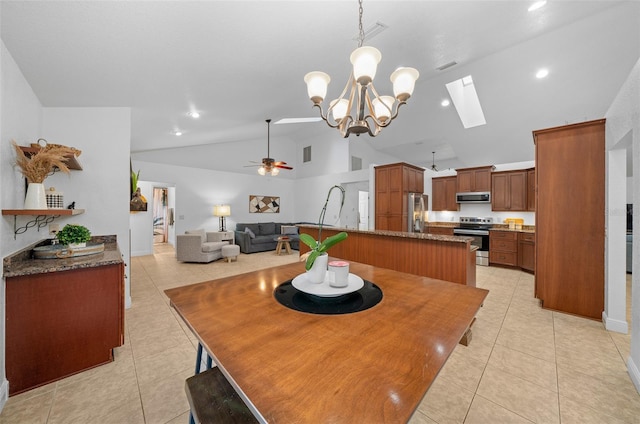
[368, 296]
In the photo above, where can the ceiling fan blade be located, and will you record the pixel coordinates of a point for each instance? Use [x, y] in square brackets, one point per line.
[251, 166]
[280, 163]
[283, 167]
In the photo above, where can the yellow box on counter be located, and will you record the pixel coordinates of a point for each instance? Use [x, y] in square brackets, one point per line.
[514, 223]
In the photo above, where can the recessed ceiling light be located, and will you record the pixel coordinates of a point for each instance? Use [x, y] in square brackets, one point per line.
[542, 73]
[177, 133]
[194, 115]
[445, 103]
[537, 5]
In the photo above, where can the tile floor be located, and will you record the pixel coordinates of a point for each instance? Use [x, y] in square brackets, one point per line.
[523, 365]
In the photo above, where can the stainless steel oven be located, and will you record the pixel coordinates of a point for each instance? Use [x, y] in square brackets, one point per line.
[478, 228]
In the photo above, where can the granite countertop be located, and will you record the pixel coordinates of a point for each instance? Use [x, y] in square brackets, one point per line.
[442, 224]
[421, 236]
[21, 262]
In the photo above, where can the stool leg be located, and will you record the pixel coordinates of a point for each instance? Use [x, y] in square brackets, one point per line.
[198, 358]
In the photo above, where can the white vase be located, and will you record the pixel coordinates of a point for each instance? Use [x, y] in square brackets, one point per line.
[318, 270]
[36, 198]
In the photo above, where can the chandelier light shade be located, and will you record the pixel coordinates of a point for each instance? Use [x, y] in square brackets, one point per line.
[360, 109]
[222, 211]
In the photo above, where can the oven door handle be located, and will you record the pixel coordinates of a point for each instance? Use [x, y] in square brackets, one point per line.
[472, 232]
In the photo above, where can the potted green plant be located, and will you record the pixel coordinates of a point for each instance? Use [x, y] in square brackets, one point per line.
[320, 247]
[74, 235]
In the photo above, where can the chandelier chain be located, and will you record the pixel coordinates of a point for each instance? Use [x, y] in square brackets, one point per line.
[361, 31]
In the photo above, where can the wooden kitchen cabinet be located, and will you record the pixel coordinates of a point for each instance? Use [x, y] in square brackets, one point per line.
[503, 247]
[509, 191]
[531, 190]
[444, 231]
[61, 323]
[393, 182]
[526, 251]
[443, 191]
[474, 179]
[570, 218]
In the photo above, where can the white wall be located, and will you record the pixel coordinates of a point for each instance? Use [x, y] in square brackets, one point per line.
[329, 154]
[20, 120]
[623, 120]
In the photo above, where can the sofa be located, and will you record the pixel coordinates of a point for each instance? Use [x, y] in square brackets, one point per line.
[261, 236]
[199, 246]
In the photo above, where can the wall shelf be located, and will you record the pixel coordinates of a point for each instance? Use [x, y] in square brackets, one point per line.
[43, 217]
[72, 162]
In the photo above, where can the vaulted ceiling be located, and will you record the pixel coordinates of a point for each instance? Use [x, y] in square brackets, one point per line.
[240, 62]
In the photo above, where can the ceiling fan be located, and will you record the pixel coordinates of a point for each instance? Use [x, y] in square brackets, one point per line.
[268, 164]
[433, 166]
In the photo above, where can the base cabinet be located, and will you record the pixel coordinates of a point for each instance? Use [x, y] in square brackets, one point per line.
[503, 248]
[61, 323]
[527, 251]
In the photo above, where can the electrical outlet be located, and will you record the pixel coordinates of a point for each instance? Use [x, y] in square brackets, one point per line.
[53, 229]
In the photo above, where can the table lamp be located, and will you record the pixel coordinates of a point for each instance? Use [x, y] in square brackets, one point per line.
[222, 211]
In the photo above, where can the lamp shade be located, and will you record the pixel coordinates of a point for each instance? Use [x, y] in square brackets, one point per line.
[404, 80]
[365, 63]
[317, 83]
[221, 210]
[339, 109]
[382, 107]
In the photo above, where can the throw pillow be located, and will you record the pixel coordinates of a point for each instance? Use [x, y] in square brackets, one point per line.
[289, 229]
[248, 231]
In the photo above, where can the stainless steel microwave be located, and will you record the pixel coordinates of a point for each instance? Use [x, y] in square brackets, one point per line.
[476, 197]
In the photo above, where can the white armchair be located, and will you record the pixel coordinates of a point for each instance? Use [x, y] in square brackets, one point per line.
[200, 246]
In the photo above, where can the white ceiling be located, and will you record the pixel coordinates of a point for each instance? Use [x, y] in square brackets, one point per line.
[240, 62]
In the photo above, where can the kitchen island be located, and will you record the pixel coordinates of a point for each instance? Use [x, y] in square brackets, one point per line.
[63, 316]
[449, 258]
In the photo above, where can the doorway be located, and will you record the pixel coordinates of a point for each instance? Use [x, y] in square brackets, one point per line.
[161, 216]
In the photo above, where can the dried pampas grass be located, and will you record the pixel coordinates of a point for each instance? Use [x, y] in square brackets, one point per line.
[38, 166]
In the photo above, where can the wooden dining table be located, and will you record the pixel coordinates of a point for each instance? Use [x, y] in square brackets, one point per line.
[371, 366]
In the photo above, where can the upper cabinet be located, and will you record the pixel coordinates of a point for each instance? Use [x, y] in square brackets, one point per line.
[509, 191]
[393, 182]
[474, 179]
[531, 190]
[443, 193]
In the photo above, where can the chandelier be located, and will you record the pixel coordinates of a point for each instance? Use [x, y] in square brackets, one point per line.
[363, 110]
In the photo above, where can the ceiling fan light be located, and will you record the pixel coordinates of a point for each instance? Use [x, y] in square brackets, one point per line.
[275, 171]
[262, 171]
[365, 63]
[339, 109]
[404, 81]
[317, 83]
[382, 107]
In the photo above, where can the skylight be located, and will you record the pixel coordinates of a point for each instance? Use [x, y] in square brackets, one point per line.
[465, 99]
[297, 120]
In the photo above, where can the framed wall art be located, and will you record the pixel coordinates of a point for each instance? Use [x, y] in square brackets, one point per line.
[264, 204]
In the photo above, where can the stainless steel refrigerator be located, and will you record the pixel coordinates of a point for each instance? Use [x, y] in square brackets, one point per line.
[416, 211]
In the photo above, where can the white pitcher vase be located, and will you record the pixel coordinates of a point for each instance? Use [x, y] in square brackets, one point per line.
[318, 270]
[36, 198]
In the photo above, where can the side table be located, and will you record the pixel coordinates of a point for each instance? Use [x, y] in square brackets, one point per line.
[283, 241]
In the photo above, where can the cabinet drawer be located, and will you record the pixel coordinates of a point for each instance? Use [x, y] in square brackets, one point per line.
[504, 258]
[503, 235]
[529, 237]
[503, 245]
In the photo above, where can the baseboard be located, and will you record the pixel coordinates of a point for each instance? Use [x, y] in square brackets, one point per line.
[142, 253]
[615, 324]
[4, 393]
[634, 373]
